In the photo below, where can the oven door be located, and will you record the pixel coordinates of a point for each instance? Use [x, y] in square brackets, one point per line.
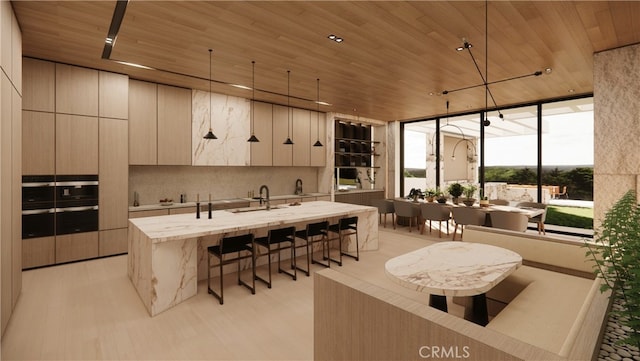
[78, 189]
[38, 223]
[76, 219]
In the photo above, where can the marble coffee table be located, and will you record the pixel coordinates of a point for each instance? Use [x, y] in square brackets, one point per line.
[455, 269]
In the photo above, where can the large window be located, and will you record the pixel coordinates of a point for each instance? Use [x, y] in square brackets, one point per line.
[529, 155]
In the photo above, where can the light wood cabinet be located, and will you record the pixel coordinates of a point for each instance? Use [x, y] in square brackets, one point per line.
[301, 137]
[39, 79]
[318, 131]
[174, 125]
[282, 153]
[38, 143]
[262, 152]
[112, 242]
[76, 144]
[76, 90]
[183, 210]
[6, 29]
[143, 115]
[78, 246]
[16, 194]
[5, 199]
[114, 95]
[38, 252]
[113, 173]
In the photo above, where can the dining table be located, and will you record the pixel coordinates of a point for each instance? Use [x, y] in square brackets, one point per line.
[455, 269]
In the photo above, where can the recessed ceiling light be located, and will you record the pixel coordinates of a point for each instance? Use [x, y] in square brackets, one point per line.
[335, 38]
[571, 90]
[548, 70]
[108, 40]
[322, 103]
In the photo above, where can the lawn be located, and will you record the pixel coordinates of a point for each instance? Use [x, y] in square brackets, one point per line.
[570, 216]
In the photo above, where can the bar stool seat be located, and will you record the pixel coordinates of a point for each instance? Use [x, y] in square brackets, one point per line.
[314, 233]
[345, 227]
[282, 239]
[244, 249]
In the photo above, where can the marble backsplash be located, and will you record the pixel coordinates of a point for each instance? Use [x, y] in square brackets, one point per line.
[157, 182]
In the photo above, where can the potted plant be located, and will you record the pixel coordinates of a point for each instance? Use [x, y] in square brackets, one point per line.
[455, 190]
[615, 251]
[484, 201]
[430, 194]
[440, 197]
[469, 191]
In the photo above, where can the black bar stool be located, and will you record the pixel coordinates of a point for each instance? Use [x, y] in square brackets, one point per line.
[243, 246]
[282, 238]
[313, 233]
[345, 227]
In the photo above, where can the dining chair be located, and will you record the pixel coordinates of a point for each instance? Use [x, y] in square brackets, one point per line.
[539, 220]
[408, 210]
[509, 220]
[499, 202]
[467, 216]
[435, 212]
[240, 247]
[385, 206]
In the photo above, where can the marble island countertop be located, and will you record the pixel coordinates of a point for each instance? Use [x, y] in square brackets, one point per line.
[180, 226]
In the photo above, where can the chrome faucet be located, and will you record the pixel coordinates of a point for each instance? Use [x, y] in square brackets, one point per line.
[267, 201]
[298, 186]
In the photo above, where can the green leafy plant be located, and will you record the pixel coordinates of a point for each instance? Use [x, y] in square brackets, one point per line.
[455, 189]
[616, 251]
[469, 190]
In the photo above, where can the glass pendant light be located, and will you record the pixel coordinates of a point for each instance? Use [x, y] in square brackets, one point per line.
[317, 143]
[288, 141]
[253, 138]
[210, 134]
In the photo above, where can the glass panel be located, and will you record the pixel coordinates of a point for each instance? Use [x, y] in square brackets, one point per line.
[511, 155]
[567, 162]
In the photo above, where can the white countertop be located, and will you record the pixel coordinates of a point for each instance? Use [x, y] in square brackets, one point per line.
[181, 226]
[154, 206]
[453, 268]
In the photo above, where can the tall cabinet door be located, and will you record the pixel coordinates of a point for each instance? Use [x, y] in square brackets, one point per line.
[38, 143]
[76, 144]
[301, 136]
[114, 172]
[262, 152]
[282, 153]
[143, 128]
[174, 125]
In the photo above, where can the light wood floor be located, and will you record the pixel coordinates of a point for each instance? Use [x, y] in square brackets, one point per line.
[90, 310]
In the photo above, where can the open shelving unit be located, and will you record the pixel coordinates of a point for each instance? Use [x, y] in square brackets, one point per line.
[354, 146]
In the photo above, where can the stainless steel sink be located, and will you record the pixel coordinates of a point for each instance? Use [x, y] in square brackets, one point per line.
[251, 209]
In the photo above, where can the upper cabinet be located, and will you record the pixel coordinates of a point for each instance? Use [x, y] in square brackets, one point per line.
[174, 125]
[114, 95]
[282, 153]
[262, 152]
[39, 79]
[159, 124]
[301, 137]
[143, 115]
[318, 132]
[76, 144]
[38, 145]
[76, 90]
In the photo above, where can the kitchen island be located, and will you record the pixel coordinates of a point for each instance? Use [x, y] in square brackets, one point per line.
[168, 254]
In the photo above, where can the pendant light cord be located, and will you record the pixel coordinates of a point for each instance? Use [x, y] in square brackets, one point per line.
[210, 122]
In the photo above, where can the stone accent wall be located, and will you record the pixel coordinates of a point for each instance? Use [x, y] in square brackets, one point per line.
[616, 126]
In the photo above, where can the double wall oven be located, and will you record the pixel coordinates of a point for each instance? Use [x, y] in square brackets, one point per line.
[57, 205]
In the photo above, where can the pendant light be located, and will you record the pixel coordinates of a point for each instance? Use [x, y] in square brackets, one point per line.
[210, 134]
[288, 141]
[317, 143]
[253, 138]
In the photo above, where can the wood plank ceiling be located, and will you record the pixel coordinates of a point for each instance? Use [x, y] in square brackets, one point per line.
[396, 59]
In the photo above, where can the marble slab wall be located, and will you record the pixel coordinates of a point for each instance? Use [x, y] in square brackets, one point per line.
[616, 126]
[231, 124]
